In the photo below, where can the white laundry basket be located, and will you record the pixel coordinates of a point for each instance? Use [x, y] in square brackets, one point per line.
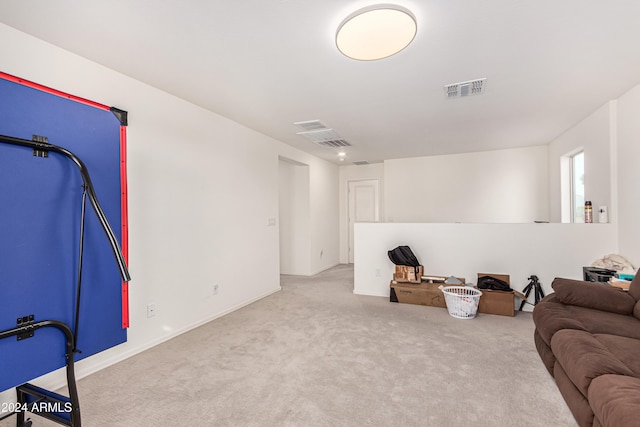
[462, 301]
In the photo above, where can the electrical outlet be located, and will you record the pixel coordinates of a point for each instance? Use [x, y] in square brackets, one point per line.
[151, 310]
[215, 289]
[378, 272]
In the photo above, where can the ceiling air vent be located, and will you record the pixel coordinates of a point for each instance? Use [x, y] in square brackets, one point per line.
[361, 162]
[318, 133]
[311, 125]
[459, 90]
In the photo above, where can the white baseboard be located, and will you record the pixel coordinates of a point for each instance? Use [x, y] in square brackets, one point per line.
[371, 294]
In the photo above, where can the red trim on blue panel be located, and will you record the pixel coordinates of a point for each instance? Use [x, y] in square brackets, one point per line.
[125, 221]
[52, 91]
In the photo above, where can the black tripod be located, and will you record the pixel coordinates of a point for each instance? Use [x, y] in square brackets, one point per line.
[535, 286]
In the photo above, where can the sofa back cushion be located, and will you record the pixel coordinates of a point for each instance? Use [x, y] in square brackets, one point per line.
[593, 295]
[636, 310]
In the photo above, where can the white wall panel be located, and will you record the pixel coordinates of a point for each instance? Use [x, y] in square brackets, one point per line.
[294, 219]
[464, 250]
[504, 186]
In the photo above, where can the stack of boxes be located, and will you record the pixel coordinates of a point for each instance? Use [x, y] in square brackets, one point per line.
[426, 292]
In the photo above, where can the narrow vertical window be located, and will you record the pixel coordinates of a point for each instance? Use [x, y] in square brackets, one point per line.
[577, 187]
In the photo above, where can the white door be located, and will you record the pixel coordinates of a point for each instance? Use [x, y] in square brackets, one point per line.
[363, 206]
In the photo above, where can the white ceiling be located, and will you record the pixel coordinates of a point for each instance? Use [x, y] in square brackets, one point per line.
[270, 63]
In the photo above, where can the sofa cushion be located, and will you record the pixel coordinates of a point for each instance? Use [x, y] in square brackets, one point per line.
[550, 316]
[593, 295]
[545, 352]
[636, 310]
[615, 400]
[576, 401]
[624, 348]
[584, 358]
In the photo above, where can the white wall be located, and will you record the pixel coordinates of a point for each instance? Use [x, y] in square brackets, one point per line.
[348, 173]
[464, 250]
[201, 191]
[294, 218]
[628, 174]
[503, 186]
[592, 135]
[325, 247]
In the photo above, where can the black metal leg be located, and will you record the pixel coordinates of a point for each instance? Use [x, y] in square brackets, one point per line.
[527, 291]
[539, 293]
[27, 389]
[534, 285]
[20, 414]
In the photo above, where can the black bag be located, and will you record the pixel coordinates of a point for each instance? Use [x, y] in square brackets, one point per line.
[493, 284]
[402, 255]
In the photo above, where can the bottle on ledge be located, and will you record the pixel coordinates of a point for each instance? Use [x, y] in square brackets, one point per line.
[588, 212]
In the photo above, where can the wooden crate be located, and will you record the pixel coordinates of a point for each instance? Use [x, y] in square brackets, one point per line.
[408, 274]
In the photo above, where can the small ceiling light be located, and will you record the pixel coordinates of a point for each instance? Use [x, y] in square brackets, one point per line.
[376, 32]
[342, 154]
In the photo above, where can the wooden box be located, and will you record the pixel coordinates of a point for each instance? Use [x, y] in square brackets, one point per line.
[408, 274]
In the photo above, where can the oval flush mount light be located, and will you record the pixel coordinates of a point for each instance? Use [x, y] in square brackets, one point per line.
[376, 32]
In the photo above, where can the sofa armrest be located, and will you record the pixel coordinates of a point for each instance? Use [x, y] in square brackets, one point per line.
[593, 295]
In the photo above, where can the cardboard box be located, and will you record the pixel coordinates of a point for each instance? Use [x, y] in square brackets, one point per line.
[421, 293]
[425, 293]
[497, 302]
[408, 274]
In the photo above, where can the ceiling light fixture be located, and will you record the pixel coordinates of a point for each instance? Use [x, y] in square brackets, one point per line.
[376, 32]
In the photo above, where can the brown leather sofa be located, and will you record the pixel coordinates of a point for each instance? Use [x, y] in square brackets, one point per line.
[588, 336]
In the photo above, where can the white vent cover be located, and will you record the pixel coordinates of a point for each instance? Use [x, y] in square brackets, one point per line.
[318, 133]
[472, 87]
[311, 125]
[361, 162]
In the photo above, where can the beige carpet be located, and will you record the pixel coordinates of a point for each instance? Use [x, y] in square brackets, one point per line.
[315, 354]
